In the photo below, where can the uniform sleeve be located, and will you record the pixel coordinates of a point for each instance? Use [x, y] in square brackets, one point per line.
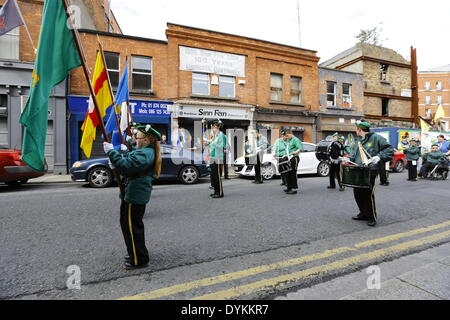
[386, 152]
[217, 142]
[132, 162]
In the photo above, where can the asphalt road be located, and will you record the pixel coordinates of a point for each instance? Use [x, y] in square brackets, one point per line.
[46, 228]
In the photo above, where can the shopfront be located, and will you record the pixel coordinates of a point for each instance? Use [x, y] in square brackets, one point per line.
[142, 111]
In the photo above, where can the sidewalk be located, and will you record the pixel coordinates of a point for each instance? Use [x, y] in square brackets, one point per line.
[52, 178]
[421, 276]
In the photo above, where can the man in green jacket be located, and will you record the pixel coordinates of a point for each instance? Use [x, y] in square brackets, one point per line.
[279, 152]
[293, 148]
[216, 147]
[412, 153]
[138, 169]
[377, 149]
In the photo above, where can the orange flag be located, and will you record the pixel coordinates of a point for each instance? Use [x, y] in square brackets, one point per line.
[104, 101]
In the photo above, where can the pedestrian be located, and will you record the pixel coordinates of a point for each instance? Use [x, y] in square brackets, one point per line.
[260, 147]
[279, 152]
[164, 139]
[216, 159]
[412, 153]
[138, 168]
[377, 147]
[337, 152]
[293, 148]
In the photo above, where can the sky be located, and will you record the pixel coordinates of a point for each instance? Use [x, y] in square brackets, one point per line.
[326, 26]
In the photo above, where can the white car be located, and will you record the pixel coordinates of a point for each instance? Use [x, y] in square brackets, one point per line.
[308, 164]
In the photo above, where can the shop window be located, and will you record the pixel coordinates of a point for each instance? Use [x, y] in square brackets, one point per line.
[141, 73]
[227, 87]
[347, 95]
[113, 66]
[296, 90]
[9, 45]
[385, 107]
[383, 71]
[200, 84]
[276, 87]
[331, 94]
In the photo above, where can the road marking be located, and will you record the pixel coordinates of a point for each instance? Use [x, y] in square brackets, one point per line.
[159, 293]
[296, 276]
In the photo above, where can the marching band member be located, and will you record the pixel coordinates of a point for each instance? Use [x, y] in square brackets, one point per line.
[337, 151]
[279, 152]
[412, 156]
[369, 150]
[261, 145]
[216, 146]
[293, 148]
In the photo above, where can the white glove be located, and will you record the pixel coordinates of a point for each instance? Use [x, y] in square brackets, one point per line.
[107, 147]
[128, 138]
[123, 147]
[376, 159]
[110, 165]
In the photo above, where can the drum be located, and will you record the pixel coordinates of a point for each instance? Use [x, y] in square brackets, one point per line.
[355, 176]
[284, 165]
[323, 150]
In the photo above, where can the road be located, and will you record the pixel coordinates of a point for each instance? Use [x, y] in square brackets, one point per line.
[255, 243]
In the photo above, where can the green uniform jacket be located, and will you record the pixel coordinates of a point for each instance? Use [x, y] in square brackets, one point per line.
[294, 144]
[134, 163]
[216, 147]
[434, 157]
[279, 149]
[412, 153]
[375, 145]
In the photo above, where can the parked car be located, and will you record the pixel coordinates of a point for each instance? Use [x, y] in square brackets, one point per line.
[399, 162]
[308, 164]
[178, 164]
[13, 171]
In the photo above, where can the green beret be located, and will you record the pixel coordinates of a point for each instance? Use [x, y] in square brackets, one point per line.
[218, 123]
[435, 145]
[335, 135]
[148, 130]
[363, 124]
[341, 139]
[413, 140]
[283, 132]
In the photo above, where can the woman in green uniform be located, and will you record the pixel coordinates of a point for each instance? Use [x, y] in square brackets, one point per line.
[138, 169]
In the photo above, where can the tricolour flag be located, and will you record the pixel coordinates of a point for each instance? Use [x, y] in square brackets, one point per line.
[10, 17]
[104, 101]
[57, 55]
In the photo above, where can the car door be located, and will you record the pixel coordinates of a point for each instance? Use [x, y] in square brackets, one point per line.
[308, 160]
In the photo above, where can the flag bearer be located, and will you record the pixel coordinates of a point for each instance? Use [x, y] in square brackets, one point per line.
[138, 169]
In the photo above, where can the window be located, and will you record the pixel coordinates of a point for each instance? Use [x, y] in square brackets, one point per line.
[296, 90]
[276, 87]
[439, 100]
[113, 66]
[385, 107]
[200, 84]
[347, 95]
[331, 94]
[9, 45]
[438, 85]
[427, 100]
[383, 71]
[141, 73]
[427, 113]
[226, 87]
[427, 85]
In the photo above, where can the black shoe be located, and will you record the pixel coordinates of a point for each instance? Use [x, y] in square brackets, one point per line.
[130, 266]
[360, 217]
[259, 182]
[291, 192]
[216, 196]
[372, 223]
[287, 190]
[341, 188]
[127, 258]
[283, 184]
[330, 187]
[211, 188]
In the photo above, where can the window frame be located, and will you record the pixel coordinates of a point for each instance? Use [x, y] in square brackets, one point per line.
[208, 83]
[439, 100]
[383, 106]
[427, 100]
[334, 94]
[222, 77]
[297, 92]
[439, 85]
[15, 52]
[427, 85]
[141, 73]
[279, 91]
[113, 70]
[349, 95]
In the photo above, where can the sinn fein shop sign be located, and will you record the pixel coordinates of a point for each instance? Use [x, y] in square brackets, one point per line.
[213, 113]
[213, 62]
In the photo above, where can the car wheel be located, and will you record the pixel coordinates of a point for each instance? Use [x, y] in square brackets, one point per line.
[323, 170]
[399, 166]
[100, 177]
[268, 171]
[189, 175]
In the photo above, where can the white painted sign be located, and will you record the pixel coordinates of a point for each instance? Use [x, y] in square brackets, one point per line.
[213, 62]
[213, 113]
[407, 93]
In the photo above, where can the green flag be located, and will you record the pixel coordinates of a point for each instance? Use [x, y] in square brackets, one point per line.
[57, 55]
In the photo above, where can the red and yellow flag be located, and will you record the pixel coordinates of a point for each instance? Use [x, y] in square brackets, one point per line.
[104, 101]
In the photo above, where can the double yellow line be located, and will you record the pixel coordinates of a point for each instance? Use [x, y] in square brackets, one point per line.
[296, 276]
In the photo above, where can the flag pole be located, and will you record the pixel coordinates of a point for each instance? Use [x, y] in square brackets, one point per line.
[91, 89]
[26, 29]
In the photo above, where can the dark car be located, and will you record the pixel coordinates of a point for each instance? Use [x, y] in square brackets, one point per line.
[13, 171]
[178, 164]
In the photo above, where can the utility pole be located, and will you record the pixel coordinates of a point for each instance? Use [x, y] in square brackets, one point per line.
[299, 29]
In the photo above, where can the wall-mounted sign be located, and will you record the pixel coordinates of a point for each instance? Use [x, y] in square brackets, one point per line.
[213, 113]
[213, 62]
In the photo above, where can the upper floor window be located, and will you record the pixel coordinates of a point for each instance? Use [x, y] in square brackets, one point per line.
[438, 85]
[200, 84]
[427, 85]
[427, 113]
[9, 45]
[347, 95]
[331, 94]
[296, 90]
[113, 66]
[383, 71]
[427, 100]
[439, 100]
[141, 73]
[276, 87]
[385, 107]
[227, 87]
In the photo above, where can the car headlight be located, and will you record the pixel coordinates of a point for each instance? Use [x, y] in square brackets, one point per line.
[77, 164]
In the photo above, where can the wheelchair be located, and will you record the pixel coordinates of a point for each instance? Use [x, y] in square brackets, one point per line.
[439, 172]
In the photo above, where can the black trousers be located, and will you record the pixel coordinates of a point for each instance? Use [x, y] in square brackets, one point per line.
[216, 181]
[335, 173]
[258, 176]
[224, 171]
[384, 174]
[365, 199]
[291, 176]
[412, 171]
[131, 216]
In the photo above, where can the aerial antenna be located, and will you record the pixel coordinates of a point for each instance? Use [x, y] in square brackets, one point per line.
[299, 29]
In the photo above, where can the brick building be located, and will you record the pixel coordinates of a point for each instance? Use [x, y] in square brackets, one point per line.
[16, 65]
[434, 90]
[388, 83]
